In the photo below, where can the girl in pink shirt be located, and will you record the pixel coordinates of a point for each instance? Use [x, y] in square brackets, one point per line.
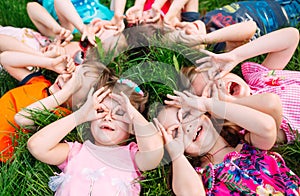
[105, 164]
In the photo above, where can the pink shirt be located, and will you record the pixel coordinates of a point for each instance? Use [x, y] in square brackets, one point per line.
[284, 83]
[98, 170]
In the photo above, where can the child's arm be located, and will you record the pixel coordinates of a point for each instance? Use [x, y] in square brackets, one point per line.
[149, 141]
[46, 24]
[22, 118]
[267, 103]
[171, 19]
[71, 18]
[262, 127]
[117, 20]
[8, 43]
[45, 144]
[185, 180]
[234, 35]
[16, 67]
[280, 46]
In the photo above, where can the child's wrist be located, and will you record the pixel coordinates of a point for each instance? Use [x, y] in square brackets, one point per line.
[140, 3]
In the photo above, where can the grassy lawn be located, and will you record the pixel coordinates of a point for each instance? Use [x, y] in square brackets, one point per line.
[27, 176]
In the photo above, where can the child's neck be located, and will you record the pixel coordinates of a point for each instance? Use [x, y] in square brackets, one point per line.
[219, 150]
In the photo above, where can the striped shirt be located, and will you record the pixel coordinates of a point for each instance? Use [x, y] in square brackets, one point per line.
[284, 83]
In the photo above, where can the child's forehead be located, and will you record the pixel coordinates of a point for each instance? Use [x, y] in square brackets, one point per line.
[109, 102]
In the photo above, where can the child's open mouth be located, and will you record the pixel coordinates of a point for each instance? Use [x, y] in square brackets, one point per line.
[233, 88]
[197, 133]
[106, 128]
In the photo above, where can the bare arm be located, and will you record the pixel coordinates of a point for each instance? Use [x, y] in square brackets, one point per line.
[150, 145]
[234, 35]
[53, 101]
[16, 67]
[262, 127]
[45, 144]
[148, 139]
[44, 22]
[70, 19]
[267, 103]
[15, 45]
[185, 180]
[280, 46]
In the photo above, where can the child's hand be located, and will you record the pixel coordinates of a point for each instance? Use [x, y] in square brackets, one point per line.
[63, 37]
[218, 65]
[134, 15]
[152, 15]
[172, 22]
[174, 143]
[117, 24]
[89, 32]
[63, 64]
[89, 111]
[188, 102]
[125, 111]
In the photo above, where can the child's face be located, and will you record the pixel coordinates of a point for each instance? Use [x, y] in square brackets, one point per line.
[201, 133]
[235, 86]
[195, 28]
[200, 129]
[107, 130]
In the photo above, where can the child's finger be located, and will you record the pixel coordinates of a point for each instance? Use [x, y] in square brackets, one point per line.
[207, 90]
[100, 94]
[162, 130]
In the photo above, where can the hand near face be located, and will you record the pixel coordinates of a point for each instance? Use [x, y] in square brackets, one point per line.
[152, 15]
[63, 37]
[218, 65]
[88, 31]
[188, 102]
[117, 24]
[124, 111]
[134, 15]
[217, 90]
[89, 110]
[62, 64]
[174, 144]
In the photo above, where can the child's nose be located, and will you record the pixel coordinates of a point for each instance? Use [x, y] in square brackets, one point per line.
[108, 116]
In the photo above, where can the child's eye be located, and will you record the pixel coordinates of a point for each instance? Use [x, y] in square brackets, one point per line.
[100, 110]
[120, 112]
[185, 115]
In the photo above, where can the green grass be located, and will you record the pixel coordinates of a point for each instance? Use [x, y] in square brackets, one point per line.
[27, 176]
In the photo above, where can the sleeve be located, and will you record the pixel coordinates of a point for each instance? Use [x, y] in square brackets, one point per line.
[74, 149]
[133, 148]
[252, 71]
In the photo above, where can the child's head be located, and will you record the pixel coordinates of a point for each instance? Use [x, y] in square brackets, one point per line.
[109, 129]
[111, 41]
[235, 86]
[191, 34]
[199, 128]
[204, 130]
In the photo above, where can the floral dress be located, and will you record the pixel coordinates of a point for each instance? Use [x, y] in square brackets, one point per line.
[250, 172]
